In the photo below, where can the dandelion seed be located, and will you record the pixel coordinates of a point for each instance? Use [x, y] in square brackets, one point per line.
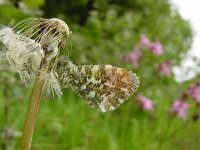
[52, 85]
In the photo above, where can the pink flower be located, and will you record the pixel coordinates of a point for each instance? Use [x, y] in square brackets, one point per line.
[135, 57]
[157, 48]
[146, 103]
[180, 108]
[144, 40]
[194, 91]
[165, 67]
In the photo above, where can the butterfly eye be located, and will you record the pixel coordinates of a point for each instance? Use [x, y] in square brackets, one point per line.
[103, 87]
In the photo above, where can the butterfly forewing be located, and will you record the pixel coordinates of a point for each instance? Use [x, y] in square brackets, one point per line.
[104, 87]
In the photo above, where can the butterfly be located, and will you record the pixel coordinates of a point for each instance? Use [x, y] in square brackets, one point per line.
[103, 87]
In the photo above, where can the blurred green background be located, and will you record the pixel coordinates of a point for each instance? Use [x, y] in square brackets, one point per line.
[146, 36]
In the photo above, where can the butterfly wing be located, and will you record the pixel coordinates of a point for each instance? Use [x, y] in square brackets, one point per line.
[104, 87]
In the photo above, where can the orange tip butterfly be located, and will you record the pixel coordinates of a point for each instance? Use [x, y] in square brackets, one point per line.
[103, 87]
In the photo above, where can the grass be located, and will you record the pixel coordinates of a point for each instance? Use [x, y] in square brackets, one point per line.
[69, 123]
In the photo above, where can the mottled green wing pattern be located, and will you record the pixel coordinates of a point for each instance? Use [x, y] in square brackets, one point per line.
[103, 87]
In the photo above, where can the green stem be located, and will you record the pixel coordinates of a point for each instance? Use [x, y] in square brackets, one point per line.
[32, 112]
[6, 110]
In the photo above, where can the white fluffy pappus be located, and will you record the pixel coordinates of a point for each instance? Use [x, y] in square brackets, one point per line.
[52, 85]
[22, 53]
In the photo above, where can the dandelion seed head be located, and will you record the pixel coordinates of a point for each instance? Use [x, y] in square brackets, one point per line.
[31, 44]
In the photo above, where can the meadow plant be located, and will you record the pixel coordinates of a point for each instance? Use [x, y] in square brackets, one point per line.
[146, 103]
[157, 48]
[165, 67]
[144, 40]
[180, 108]
[181, 105]
[162, 67]
[194, 91]
[134, 57]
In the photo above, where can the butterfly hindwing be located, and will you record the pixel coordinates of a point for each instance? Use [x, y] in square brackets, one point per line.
[103, 87]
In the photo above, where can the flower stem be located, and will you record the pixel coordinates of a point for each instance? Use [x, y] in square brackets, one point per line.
[32, 112]
[6, 111]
